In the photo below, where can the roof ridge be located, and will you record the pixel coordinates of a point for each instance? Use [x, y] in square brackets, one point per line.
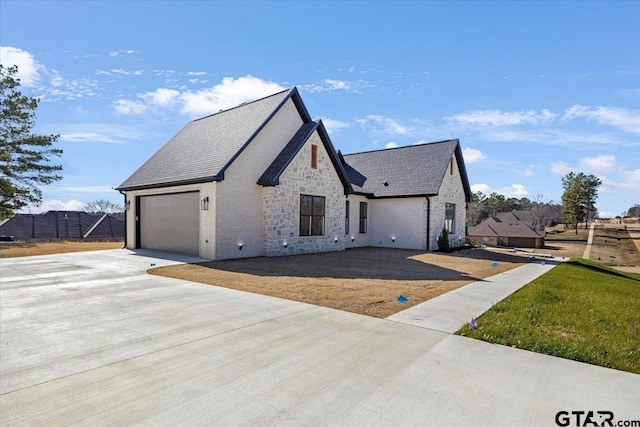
[404, 146]
[244, 103]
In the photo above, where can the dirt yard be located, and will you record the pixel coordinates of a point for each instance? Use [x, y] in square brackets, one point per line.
[364, 280]
[614, 245]
[11, 250]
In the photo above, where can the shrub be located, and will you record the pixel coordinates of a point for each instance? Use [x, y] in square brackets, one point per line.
[443, 241]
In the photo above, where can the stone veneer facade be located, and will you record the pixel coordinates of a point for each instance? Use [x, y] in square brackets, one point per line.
[451, 191]
[281, 205]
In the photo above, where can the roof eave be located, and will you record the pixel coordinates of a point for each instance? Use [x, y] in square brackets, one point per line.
[169, 184]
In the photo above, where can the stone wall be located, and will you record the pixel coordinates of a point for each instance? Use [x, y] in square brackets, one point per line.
[281, 205]
[451, 191]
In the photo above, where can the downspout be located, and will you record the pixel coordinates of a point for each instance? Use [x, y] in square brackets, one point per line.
[125, 218]
[428, 221]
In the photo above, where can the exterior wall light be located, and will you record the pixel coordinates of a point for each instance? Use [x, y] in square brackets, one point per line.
[205, 203]
[335, 240]
[393, 239]
[128, 204]
[285, 245]
[353, 238]
[239, 246]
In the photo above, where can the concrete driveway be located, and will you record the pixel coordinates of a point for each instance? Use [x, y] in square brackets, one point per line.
[91, 339]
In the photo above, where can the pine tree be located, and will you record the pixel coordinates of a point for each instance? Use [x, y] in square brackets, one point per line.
[24, 157]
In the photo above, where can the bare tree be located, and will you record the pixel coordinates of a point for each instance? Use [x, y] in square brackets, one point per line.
[102, 207]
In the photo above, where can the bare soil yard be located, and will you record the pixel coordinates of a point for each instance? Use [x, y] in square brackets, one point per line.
[364, 280]
[18, 249]
[613, 245]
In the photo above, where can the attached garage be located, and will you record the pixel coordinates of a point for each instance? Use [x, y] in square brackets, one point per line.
[169, 222]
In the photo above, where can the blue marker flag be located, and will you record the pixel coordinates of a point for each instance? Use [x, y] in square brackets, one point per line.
[402, 299]
[494, 265]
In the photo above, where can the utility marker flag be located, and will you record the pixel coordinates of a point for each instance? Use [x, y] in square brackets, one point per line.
[402, 299]
[473, 324]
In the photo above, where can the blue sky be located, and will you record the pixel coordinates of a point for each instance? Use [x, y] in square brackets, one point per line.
[533, 90]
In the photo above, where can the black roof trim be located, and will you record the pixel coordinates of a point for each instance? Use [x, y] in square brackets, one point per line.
[302, 110]
[271, 176]
[463, 173]
[170, 184]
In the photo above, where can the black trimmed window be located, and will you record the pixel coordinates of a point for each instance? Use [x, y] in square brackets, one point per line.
[450, 217]
[363, 217]
[311, 215]
[346, 217]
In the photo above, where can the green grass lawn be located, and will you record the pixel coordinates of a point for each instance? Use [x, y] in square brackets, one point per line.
[580, 310]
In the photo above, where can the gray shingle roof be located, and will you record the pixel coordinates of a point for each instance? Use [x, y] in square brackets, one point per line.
[494, 226]
[416, 170]
[205, 147]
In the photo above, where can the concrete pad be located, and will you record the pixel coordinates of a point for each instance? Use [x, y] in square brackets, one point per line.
[119, 347]
[450, 311]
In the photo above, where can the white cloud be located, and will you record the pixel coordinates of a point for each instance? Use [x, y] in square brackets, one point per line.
[384, 124]
[621, 118]
[328, 85]
[334, 125]
[517, 191]
[197, 73]
[561, 168]
[229, 93]
[527, 171]
[89, 137]
[126, 107]
[54, 205]
[471, 155]
[161, 97]
[81, 189]
[121, 52]
[599, 165]
[390, 145]
[501, 118]
[28, 68]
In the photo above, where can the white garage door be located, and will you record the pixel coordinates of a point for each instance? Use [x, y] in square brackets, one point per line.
[170, 222]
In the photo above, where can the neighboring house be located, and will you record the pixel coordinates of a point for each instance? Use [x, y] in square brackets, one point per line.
[263, 179]
[514, 229]
[63, 225]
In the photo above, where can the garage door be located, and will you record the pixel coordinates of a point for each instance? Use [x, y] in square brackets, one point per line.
[522, 242]
[170, 222]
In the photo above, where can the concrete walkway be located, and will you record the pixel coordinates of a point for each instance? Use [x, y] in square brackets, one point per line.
[450, 311]
[587, 250]
[91, 339]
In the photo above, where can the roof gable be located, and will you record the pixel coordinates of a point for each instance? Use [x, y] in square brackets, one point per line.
[500, 227]
[206, 147]
[416, 170]
[272, 174]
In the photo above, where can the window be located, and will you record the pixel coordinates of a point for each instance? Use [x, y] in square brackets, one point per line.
[311, 215]
[363, 217]
[450, 217]
[451, 166]
[346, 218]
[314, 156]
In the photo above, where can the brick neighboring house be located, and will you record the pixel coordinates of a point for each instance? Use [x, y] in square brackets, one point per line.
[514, 229]
[264, 179]
[64, 225]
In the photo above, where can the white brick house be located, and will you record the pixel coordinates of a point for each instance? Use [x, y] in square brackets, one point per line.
[263, 179]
